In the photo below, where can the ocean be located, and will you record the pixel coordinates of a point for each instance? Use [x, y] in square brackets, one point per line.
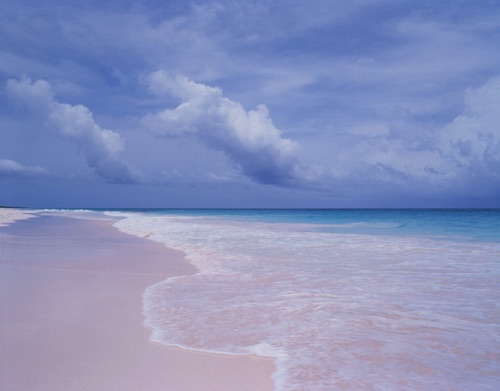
[341, 299]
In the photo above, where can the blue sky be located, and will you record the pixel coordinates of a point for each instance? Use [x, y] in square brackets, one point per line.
[245, 103]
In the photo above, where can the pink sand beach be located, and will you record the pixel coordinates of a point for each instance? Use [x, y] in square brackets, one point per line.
[71, 314]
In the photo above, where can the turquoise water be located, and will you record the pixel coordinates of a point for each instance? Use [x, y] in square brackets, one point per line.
[469, 224]
[341, 299]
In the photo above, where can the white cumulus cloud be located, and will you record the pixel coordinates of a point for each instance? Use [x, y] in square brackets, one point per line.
[12, 169]
[472, 140]
[101, 147]
[248, 138]
[464, 153]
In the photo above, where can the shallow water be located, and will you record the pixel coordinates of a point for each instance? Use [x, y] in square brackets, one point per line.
[354, 300]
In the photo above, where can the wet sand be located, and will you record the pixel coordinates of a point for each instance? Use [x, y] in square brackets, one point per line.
[71, 315]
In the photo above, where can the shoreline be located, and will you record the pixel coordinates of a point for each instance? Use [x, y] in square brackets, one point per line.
[72, 315]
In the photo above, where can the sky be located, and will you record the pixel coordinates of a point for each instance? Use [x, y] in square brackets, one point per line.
[250, 103]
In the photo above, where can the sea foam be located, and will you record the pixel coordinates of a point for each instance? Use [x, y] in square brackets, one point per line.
[336, 311]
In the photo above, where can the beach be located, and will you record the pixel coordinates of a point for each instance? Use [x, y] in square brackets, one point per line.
[71, 314]
[283, 300]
